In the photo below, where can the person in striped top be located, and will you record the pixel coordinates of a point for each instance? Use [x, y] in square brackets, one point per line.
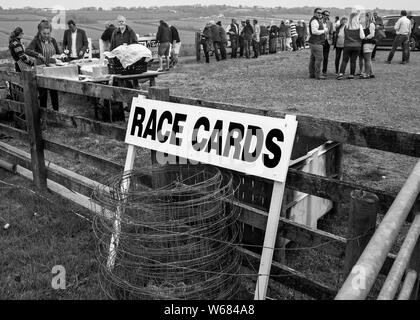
[293, 34]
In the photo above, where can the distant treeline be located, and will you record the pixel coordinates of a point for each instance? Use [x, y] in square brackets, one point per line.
[202, 10]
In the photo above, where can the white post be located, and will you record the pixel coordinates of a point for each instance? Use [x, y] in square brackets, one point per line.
[125, 186]
[90, 48]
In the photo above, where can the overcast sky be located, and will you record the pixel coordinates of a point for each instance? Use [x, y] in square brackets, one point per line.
[74, 4]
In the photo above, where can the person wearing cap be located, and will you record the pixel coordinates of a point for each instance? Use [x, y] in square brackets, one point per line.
[328, 25]
[402, 30]
[233, 31]
[316, 41]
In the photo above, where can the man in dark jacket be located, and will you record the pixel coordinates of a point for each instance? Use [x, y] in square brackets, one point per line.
[247, 33]
[217, 40]
[75, 42]
[176, 46]
[223, 42]
[233, 31]
[164, 39]
[123, 34]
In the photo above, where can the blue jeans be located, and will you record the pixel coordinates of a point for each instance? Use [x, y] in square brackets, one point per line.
[315, 61]
[400, 40]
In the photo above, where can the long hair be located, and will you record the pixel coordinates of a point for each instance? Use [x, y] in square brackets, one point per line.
[369, 19]
[15, 33]
[44, 24]
[354, 22]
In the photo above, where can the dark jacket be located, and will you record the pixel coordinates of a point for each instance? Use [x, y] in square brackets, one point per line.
[263, 31]
[282, 30]
[164, 34]
[274, 31]
[81, 41]
[107, 34]
[118, 38]
[316, 38]
[223, 34]
[247, 32]
[352, 38]
[175, 34]
[215, 33]
[300, 31]
[35, 47]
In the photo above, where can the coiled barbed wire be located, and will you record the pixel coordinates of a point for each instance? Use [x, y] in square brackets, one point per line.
[178, 234]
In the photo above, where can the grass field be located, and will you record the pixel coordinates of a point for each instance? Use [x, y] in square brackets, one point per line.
[278, 82]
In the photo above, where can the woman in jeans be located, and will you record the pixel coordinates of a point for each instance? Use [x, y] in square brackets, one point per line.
[353, 36]
[339, 42]
[368, 44]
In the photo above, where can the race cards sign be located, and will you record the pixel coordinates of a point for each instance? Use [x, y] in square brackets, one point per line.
[248, 143]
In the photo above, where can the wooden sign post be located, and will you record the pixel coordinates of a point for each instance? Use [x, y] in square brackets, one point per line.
[248, 143]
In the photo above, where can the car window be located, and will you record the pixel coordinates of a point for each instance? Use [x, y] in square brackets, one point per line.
[390, 22]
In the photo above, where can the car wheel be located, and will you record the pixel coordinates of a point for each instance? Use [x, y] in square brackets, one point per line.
[413, 44]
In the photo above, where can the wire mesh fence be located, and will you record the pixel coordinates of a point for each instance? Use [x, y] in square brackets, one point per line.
[177, 234]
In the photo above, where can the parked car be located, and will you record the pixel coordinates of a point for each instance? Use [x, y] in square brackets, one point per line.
[389, 23]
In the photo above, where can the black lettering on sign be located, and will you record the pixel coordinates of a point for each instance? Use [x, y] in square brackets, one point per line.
[151, 126]
[232, 141]
[177, 128]
[167, 115]
[138, 122]
[202, 122]
[215, 142]
[253, 131]
[273, 147]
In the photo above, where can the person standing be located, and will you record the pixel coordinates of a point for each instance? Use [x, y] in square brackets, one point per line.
[263, 38]
[367, 46]
[256, 38]
[176, 46]
[338, 43]
[233, 32]
[293, 35]
[288, 36]
[123, 34]
[224, 41]
[274, 33]
[164, 39]
[402, 30]
[248, 32]
[241, 39]
[316, 41]
[300, 42]
[282, 36]
[353, 36]
[379, 25]
[43, 47]
[75, 42]
[207, 41]
[217, 40]
[107, 34]
[17, 50]
[328, 26]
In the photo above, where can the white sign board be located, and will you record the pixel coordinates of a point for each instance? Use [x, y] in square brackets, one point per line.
[248, 143]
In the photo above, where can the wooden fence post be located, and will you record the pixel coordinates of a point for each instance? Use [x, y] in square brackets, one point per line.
[33, 123]
[362, 222]
[198, 46]
[161, 94]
